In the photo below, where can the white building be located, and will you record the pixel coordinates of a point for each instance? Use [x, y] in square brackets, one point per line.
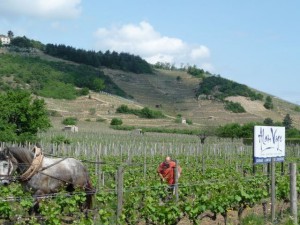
[71, 128]
[4, 39]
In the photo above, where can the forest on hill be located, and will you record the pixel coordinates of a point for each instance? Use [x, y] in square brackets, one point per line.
[122, 61]
[53, 79]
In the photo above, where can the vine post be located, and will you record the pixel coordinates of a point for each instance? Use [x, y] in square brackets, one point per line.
[273, 187]
[98, 170]
[176, 180]
[145, 163]
[120, 177]
[293, 192]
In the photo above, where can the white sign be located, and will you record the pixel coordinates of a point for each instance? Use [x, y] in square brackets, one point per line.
[269, 142]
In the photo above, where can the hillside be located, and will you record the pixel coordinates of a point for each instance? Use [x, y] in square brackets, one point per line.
[175, 97]
[162, 91]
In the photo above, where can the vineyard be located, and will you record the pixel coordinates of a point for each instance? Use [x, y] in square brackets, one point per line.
[217, 181]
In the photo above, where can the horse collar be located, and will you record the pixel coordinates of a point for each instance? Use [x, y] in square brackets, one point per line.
[35, 165]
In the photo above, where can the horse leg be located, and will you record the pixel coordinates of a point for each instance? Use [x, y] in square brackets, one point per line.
[90, 192]
[35, 208]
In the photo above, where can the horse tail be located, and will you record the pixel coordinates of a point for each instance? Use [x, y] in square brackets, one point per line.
[90, 192]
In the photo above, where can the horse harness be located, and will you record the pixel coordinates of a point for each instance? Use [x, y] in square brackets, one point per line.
[35, 165]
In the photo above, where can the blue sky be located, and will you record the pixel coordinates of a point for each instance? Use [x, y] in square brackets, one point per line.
[252, 42]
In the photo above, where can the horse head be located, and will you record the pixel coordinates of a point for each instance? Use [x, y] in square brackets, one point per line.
[8, 165]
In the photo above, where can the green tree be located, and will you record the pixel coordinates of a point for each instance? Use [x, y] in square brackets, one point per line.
[21, 116]
[22, 42]
[98, 84]
[232, 130]
[293, 133]
[10, 34]
[287, 122]
[269, 103]
[268, 121]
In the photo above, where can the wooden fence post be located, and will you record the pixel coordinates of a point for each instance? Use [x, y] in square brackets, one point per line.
[293, 192]
[120, 176]
[203, 163]
[145, 164]
[273, 194]
[176, 180]
[98, 170]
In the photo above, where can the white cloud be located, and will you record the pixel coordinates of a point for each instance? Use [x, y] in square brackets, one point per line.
[200, 52]
[48, 9]
[207, 66]
[143, 40]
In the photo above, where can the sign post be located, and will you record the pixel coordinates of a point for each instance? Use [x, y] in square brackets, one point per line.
[269, 147]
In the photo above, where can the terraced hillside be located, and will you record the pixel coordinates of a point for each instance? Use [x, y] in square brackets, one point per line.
[163, 90]
[102, 107]
[160, 89]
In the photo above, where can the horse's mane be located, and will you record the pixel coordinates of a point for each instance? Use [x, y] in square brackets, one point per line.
[22, 155]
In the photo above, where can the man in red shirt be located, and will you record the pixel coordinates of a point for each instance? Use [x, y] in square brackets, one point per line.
[166, 171]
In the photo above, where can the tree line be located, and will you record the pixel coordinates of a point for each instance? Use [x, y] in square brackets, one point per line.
[113, 60]
[235, 130]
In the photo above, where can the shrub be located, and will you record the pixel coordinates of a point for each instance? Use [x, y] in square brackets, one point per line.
[143, 113]
[268, 121]
[116, 121]
[297, 109]
[70, 121]
[178, 120]
[83, 91]
[189, 121]
[123, 109]
[150, 114]
[234, 107]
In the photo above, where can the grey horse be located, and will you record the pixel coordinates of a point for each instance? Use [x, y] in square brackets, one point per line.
[44, 175]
